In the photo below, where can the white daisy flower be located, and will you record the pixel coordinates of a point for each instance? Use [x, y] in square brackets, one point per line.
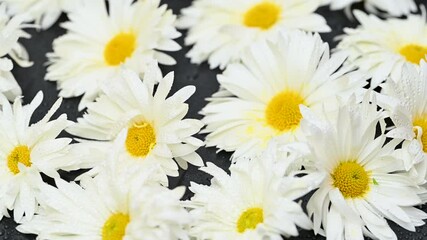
[100, 42]
[410, 117]
[254, 202]
[363, 187]
[262, 95]
[392, 8]
[44, 12]
[8, 85]
[109, 207]
[222, 30]
[27, 151]
[381, 47]
[11, 29]
[147, 125]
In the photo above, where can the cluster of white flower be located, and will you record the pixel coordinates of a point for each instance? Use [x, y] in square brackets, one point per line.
[344, 130]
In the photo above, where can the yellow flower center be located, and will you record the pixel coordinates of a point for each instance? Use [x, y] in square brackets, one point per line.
[250, 219]
[263, 15]
[413, 53]
[283, 112]
[351, 179]
[119, 48]
[141, 139]
[421, 122]
[20, 154]
[115, 227]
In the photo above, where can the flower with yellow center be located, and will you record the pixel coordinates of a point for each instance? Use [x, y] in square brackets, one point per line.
[115, 227]
[381, 47]
[230, 27]
[282, 112]
[29, 150]
[264, 93]
[414, 53]
[144, 124]
[255, 201]
[118, 49]
[409, 115]
[19, 155]
[420, 129]
[351, 179]
[250, 219]
[115, 205]
[264, 15]
[140, 139]
[365, 183]
[99, 43]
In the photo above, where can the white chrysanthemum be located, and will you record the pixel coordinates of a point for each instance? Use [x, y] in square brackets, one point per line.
[222, 30]
[11, 29]
[262, 95]
[410, 117]
[44, 12]
[113, 206]
[27, 151]
[8, 85]
[393, 8]
[10, 32]
[256, 201]
[363, 187]
[381, 47]
[100, 42]
[146, 124]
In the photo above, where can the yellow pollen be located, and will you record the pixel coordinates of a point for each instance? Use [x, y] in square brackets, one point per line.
[119, 48]
[20, 154]
[263, 15]
[351, 179]
[141, 139]
[115, 227]
[250, 219]
[283, 112]
[413, 53]
[421, 122]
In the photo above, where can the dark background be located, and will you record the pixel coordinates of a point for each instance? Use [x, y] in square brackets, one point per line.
[31, 81]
